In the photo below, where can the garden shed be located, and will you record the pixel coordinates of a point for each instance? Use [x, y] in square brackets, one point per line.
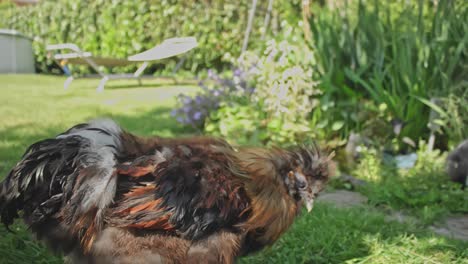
[16, 54]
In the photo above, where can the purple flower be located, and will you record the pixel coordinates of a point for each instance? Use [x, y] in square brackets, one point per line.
[193, 109]
[210, 73]
[198, 99]
[180, 119]
[187, 100]
[197, 115]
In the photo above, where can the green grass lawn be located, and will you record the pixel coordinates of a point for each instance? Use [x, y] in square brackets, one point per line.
[36, 107]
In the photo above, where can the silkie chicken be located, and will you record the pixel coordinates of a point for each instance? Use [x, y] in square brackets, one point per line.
[457, 164]
[101, 195]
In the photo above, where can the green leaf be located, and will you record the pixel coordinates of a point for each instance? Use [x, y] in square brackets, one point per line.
[275, 124]
[337, 125]
[432, 105]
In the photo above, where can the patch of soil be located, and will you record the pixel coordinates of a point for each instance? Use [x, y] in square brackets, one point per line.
[343, 198]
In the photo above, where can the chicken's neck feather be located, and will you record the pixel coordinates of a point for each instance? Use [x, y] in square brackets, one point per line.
[272, 209]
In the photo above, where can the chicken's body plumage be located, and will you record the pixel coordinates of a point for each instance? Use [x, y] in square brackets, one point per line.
[102, 195]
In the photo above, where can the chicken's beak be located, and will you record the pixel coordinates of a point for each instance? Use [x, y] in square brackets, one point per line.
[309, 205]
[308, 200]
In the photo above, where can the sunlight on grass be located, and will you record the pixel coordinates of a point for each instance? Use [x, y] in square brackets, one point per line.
[410, 249]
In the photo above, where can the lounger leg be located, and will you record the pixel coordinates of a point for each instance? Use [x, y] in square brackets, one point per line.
[179, 64]
[67, 82]
[139, 71]
[177, 67]
[102, 83]
[66, 70]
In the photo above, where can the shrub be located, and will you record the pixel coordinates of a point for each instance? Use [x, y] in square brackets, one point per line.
[122, 28]
[450, 116]
[278, 111]
[425, 189]
[393, 53]
[238, 122]
[456, 117]
[193, 110]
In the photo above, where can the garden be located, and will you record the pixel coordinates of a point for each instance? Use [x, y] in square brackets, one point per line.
[382, 84]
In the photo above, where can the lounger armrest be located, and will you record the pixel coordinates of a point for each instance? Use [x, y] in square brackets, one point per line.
[71, 51]
[65, 56]
[69, 46]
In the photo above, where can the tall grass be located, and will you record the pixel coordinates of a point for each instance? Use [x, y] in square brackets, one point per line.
[398, 54]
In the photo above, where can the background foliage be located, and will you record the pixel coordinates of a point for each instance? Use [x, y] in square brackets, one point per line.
[373, 66]
[277, 110]
[122, 28]
[394, 54]
[422, 189]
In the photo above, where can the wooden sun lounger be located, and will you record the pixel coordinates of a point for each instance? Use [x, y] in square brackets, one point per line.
[74, 55]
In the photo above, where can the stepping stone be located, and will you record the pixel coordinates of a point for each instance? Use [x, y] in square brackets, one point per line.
[400, 217]
[454, 227]
[343, 198]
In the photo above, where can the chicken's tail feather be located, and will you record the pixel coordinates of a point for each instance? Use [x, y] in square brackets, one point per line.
[32, 179]
[64, 178]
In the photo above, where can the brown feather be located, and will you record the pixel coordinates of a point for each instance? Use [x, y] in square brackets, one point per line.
[160, 223]
[140, 190]
[271, 207]
[146, 206]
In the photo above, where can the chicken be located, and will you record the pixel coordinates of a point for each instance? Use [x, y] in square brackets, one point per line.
[457, 164]
[102, 195]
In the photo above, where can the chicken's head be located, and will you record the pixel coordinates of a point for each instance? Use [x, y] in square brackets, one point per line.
[307, 174]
